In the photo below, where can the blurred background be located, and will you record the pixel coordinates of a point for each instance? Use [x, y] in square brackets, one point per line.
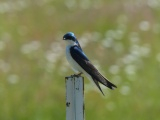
[121, 37]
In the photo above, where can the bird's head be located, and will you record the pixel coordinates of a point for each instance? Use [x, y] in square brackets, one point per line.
[70, 38]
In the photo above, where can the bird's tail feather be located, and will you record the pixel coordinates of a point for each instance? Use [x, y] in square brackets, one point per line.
[100, 78]
[108, 83]
[97, 84]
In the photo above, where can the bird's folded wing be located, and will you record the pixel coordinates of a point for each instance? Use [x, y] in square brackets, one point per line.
[79, 56]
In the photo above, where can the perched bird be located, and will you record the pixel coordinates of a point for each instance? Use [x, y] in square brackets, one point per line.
[81, 64]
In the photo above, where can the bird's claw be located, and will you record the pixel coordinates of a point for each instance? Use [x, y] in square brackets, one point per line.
[76, 75]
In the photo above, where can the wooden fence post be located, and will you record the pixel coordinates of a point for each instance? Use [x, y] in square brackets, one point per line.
[74, 98]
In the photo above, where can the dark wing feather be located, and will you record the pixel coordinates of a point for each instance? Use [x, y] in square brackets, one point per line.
[79, 56]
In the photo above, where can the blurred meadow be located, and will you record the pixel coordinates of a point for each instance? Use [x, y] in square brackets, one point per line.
[121, 37]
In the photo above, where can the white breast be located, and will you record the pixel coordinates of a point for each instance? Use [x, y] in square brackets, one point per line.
[75, 66]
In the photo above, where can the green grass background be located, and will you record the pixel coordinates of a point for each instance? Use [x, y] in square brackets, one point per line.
[122, 37]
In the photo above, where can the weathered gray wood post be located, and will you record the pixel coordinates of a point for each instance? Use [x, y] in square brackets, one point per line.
[74, 98]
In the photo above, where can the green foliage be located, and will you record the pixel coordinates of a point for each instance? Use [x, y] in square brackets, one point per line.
[120, 37]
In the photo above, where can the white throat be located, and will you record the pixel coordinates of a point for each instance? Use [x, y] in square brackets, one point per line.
[70, 43]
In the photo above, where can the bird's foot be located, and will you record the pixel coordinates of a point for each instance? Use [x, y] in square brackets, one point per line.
[76, 75]
[79, 74]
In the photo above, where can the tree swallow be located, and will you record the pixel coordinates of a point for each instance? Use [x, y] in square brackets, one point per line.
[81, 64]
